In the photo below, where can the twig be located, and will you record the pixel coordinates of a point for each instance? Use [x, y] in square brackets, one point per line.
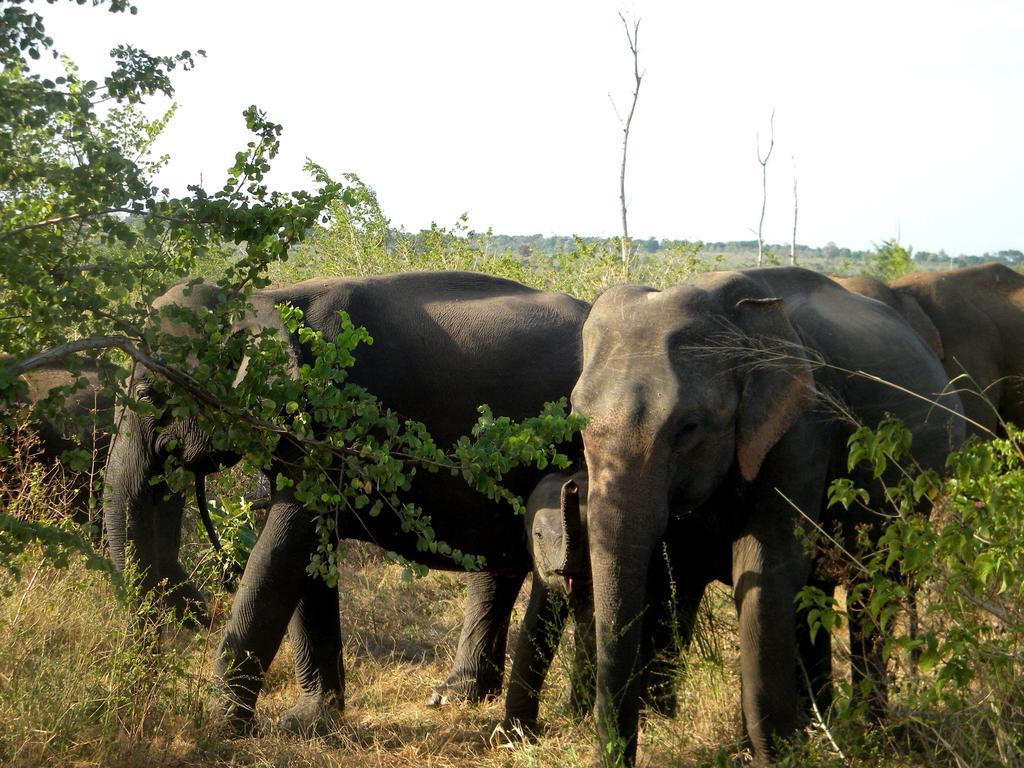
[764, 187]
[817, 712]
[632, 37]
[190, 385]
[89, 215]
[823, 532]
[61, 220]
[792, 245]
[961, 763]
[991, 608]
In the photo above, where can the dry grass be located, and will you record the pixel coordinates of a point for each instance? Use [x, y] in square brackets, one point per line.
[79, 687]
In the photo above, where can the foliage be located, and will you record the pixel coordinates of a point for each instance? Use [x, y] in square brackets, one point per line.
[345, 452]
[86, 238]
[963, 667]
[34, 498]
[890, 260]
[87, 242]
[360, 240]
[237, 527]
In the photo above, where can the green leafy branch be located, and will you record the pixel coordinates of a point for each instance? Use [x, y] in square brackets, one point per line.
[964, 567]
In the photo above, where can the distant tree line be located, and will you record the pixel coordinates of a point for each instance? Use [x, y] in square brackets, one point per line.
[539, 245]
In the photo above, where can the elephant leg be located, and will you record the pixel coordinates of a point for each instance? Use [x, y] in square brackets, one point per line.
[867, 664]
[535, 649]
[480, 658]
[315, 635]
[669, 639]
[178, 593]
[583, 674]
[816, 658]
[674, 596]
[764, 595]
[271, 588]
[184, 598]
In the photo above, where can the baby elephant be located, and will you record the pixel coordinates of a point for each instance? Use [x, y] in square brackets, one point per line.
[556, 535]
[556, 514]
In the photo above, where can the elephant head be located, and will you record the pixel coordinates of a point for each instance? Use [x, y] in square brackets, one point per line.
[685, 390]
[138, 509]
[556, 535]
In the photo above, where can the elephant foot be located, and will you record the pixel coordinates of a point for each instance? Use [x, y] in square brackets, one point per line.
[312, 716]
[463, 689]
[580, 704]
[235, 719]
[513, 732]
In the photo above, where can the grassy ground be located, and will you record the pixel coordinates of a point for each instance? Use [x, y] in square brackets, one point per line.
[79, 687]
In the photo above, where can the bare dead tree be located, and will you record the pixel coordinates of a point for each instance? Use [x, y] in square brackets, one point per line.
[764, 187]
[796, 208]
[632, 38]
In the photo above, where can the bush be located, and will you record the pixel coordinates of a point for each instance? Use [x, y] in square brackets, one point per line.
[958, 692]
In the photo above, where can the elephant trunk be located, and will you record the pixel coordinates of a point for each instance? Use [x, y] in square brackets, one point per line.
[143, 522]
[129, 466]
[625, 526]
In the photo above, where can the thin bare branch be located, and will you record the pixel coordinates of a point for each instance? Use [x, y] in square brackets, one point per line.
[764, 187]
[819, 720]
[81, 217]
[792, 245]
[194, 389]
[831, 539]
[61, 220]
[632, 38]
[57, 354]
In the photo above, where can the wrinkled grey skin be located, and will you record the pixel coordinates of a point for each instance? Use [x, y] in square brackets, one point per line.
[977, 316]
[444, 343]
[724, 397]
[556, 531]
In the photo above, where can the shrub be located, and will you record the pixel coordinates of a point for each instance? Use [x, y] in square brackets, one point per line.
[958, 692]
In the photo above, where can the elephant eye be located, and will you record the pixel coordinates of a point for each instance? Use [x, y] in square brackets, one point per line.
[687, 429]
[685, 433]
[166, 443]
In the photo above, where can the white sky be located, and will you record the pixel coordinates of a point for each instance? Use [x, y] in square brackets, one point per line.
[903, 115]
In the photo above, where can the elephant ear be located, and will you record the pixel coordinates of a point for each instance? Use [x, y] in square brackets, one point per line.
[778, 385]
[920, 322]
[266, 316]
[571, 529]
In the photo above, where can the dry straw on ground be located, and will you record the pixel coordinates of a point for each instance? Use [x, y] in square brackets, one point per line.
[79, 687]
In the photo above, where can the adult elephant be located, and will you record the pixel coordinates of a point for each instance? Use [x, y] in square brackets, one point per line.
[444, 343]
[903, 303]
[974, 320]
[979, 314]
[732, 397]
